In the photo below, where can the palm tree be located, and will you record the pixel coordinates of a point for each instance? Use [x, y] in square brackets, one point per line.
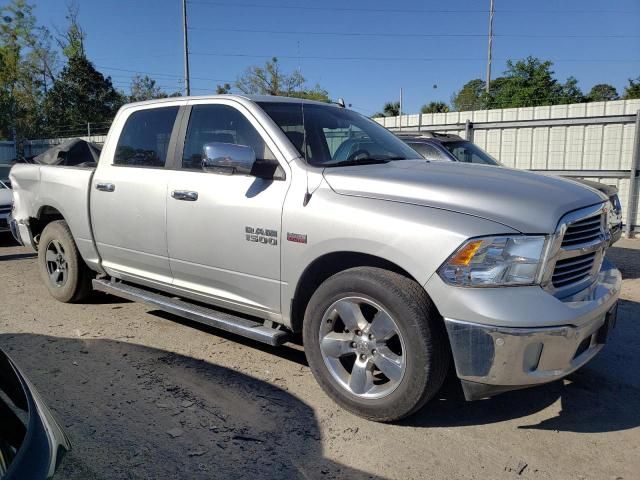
[435, 107]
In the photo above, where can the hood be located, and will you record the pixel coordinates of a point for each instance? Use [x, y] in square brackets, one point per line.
[608, 190]
[525, 201]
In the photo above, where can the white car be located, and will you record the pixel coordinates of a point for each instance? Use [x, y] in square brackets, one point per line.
[6, 196]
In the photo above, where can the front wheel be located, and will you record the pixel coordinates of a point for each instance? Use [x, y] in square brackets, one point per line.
[63, 270]
[375, 343]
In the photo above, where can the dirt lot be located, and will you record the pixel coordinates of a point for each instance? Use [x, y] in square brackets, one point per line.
[143, 394]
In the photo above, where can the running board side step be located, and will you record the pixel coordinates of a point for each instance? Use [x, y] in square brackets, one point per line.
[197, 313]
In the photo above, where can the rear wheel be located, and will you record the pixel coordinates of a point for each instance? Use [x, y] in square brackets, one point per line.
[63, 271]
[375, 343]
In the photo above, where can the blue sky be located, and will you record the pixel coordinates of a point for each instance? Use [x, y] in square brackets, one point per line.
[363, 50]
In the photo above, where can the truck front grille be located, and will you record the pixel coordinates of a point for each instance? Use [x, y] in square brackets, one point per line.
[583, 231]
[578, 253]
[5, 209]
[573, 270]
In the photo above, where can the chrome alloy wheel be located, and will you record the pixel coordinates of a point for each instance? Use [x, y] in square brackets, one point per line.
[362, 347]
[57, 266]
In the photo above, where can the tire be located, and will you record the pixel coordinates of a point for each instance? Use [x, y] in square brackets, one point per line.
[57, 250]
[379, 374]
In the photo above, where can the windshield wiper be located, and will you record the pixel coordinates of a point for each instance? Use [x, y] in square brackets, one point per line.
[359, 161]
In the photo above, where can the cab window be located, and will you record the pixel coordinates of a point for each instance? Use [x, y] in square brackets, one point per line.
[144, 140]
[222, 124]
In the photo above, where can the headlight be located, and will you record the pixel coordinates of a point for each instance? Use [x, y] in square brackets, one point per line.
[495, 261]
[615, 203]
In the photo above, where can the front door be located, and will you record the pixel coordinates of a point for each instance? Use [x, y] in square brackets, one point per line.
[224, 231]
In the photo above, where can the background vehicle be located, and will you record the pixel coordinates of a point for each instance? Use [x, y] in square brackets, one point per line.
[5, 198]
[32, 444]
[448, 147]
[251, 214]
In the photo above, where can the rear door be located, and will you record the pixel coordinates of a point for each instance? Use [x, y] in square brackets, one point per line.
[129, 195]
[224, 238]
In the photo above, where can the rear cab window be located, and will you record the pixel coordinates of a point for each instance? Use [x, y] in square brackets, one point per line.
[144, 140]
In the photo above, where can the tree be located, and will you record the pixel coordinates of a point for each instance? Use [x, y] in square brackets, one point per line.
[569, 92]
[470, 97]
[270, 80]
[435, 107]
[530, 83]
[602, 92]
[390, 109]
[527, 83]
[633, 89]
[223, 89]
[26, 66]
[80, 95]
[71, 42]
[145, 88]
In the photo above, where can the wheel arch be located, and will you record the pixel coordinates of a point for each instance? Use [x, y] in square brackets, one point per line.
[44, 216]
[324, 267]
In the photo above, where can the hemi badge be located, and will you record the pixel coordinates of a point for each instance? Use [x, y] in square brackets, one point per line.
[296, 237]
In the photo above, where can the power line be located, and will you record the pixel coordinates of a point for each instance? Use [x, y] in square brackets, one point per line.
[402, 10]
[117, 69]
[333, 9]
[411, 59]
[404, 35]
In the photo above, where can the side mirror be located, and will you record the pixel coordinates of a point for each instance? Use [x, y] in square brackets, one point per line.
[32, 443]
[228, 158]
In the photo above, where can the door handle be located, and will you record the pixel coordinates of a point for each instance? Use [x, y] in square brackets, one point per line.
[105, 187]
[185, 195]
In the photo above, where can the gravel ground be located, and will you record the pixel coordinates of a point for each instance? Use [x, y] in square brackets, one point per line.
[143, 394]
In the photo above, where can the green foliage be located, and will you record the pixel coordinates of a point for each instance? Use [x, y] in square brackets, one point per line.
[80, 95]
[470, 97]
[223, 89]
[526, 83]
[602, 92]
[633, 89]
[72, 41]
[145, 88]
[316, 93]
[435, 107]
[390, 109]
[26, 67]
[270, 80]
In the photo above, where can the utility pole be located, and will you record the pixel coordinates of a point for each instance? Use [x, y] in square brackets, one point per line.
[490, 52]
[187, 84]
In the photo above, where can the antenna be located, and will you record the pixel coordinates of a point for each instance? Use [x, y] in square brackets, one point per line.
[307, 195]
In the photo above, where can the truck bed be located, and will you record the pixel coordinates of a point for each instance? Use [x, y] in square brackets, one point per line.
[44, 189]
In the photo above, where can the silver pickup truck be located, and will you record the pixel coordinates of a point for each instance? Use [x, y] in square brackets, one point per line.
[234, 212]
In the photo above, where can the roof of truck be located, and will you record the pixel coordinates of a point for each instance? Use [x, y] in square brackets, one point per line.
[418, 135]
[253, 98]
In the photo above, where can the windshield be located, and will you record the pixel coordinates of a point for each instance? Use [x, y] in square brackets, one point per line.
[469, 152]
[331, 136]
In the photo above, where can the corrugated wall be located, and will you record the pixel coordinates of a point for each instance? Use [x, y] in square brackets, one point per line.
[7, 152]
[564, 147]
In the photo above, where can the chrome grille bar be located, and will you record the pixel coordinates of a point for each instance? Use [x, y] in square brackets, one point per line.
[576, 251]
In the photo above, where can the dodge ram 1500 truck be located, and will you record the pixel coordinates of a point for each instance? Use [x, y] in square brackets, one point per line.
[234, 211]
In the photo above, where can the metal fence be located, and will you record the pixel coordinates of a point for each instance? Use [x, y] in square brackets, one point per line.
[598, 141]
[36, 147]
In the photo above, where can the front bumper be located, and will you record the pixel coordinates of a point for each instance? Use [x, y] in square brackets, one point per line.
[491, 359]
[616, 233]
